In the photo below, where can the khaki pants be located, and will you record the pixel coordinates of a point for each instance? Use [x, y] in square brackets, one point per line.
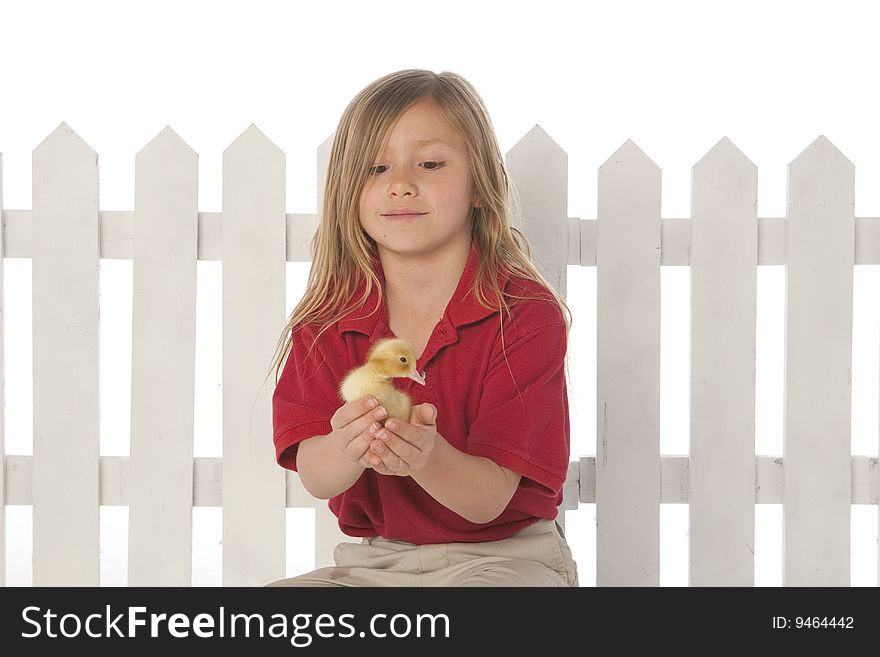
[535, 556]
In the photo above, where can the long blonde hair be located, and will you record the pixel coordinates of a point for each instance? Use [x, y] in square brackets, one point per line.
[343, 253]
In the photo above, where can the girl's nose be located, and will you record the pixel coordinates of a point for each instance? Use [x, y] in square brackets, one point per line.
[401, 184]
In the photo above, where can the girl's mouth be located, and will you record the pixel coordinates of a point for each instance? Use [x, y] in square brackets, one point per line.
[398, 217]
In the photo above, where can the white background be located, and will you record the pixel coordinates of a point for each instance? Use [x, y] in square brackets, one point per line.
[675, 77]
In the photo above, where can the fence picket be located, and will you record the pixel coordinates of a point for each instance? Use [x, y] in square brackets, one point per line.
[65, 350]
[818, 355]
[165, 250]
[2, 401]
[724, 266]
[253, 310]
[628, 371]
[327, 532]
[538, 168]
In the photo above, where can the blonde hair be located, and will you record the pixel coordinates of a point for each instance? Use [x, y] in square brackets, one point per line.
[343, 253]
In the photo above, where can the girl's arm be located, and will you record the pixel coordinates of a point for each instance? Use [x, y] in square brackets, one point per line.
[328, 465]
[323, 468]
[475, 487]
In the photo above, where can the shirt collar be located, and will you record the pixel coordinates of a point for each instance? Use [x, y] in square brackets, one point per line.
[463, 308]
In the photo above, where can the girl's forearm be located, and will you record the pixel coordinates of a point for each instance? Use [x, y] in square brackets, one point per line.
[474, 487]
[325, 471]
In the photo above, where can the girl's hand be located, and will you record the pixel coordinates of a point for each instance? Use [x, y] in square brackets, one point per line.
[351, 423]
[402, 448]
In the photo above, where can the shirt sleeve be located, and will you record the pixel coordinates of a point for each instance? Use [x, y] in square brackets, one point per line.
[306, 396]
[522, 422]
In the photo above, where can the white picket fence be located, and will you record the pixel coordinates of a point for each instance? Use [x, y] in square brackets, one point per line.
[67, 480]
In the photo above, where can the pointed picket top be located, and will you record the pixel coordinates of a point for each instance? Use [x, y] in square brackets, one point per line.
[166, 141]
[65, 138]
[724, 154]
[822, 150]
[326, 146]
[324, 151]
[630, 157]
[251, 142]
[538, 169]
[537, 163]
[536, 141]
[723, 177]
[819, 173]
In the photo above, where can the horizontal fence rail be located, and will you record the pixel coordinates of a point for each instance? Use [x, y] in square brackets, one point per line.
[675, 235]
[721, 479]
[580, 484]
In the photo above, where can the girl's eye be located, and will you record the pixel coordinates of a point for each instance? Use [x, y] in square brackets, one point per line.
[435, 165]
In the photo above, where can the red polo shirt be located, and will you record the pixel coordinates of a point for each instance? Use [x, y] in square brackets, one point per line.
[514, 412]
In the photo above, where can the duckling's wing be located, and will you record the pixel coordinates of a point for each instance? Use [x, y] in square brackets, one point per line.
[357, 384]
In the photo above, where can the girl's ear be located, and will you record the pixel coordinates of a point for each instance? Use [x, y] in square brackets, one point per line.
[478, 202]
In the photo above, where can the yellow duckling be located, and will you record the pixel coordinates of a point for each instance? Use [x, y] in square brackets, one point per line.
[387, 359]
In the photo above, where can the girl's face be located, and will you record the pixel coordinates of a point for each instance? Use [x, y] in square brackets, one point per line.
[422, 168]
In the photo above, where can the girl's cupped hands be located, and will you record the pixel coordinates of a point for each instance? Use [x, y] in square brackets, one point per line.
[402, 448]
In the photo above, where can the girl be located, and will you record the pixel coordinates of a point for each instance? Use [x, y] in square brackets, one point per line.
[415, 242]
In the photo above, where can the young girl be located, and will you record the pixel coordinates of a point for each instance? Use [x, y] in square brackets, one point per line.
[415, 242]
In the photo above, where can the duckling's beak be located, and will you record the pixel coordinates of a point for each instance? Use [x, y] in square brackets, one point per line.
[415, 376]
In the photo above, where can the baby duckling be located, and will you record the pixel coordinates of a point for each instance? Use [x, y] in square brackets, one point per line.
[387, 359]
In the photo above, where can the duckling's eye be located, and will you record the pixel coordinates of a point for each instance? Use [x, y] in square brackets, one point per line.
[403, 359]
